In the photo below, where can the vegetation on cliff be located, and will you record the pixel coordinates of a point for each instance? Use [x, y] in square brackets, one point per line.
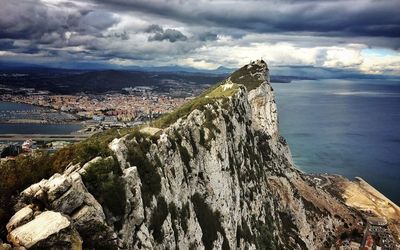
[221, 90]
[210, 222]
[103, 178]
[18, 174]
[151, 180]
[249, 75]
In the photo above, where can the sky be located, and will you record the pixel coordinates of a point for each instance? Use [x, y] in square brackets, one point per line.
[360, 35]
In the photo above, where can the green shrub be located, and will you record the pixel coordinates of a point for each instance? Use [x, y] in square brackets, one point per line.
[26, 170]
[98, 236]
[183, 152]
[174, 220]
[103, 180]
[290, 230]
[210, 222]
[209, 96]
[157, 219]
[84, 151]
[265, 238]
[264, 231]
[244, 76]
[184, 216]
[17, 175]
[243, 232]
[151, 179]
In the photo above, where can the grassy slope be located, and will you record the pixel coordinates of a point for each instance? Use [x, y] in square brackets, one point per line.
[244, 76]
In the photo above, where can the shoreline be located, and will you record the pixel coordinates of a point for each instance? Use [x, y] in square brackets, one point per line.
[50, 108]
[36, 105]
[363, 197]
[39, 122]
[76, 119]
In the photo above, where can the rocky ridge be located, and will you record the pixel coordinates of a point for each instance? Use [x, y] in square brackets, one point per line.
[216, 174]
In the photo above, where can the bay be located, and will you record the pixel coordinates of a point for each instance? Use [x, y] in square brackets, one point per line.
[347, 127]
[7, 108]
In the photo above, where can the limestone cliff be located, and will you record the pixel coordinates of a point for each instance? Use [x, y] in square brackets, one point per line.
[215, 174]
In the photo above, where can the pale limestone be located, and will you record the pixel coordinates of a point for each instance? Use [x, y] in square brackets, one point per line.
[44, 225]
[21, 217]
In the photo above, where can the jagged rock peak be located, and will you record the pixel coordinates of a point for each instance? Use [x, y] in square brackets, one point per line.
[251, 75]
[214, 174]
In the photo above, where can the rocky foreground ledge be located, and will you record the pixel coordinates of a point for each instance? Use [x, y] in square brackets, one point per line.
[214, 174]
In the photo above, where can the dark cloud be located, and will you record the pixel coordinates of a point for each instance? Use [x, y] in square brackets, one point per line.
[95, 21]
[159, 34]
[33, 20]
[6, 44]
[338, 18]
[123, 35]
[26, 20]
[154, 28]
[207, 36]
[43, 29]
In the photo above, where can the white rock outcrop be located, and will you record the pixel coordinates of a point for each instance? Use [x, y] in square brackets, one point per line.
[19, 218]
[38, 229]
[220, 177]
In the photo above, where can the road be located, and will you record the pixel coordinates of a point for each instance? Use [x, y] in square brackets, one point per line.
[44, 137]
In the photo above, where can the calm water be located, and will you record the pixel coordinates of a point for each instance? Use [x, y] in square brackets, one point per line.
[11, 106]
[350, 128]
[6, 107]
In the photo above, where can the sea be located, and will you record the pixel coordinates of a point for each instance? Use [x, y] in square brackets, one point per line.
[10, 108]
[346, 127]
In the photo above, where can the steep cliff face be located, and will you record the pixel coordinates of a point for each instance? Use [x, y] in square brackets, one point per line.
[216, 174]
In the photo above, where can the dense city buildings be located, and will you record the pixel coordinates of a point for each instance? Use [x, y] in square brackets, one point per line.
[128, 106]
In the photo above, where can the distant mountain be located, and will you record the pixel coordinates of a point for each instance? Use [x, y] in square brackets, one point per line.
[74, 81]
[87, 66]
[98, 80]
[283, 73]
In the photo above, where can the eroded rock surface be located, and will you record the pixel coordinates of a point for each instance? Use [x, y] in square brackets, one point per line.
[219, 177]
[44, 227]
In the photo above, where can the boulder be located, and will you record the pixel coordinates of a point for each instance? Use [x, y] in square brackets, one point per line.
[39, 229]
[56, 186]
[72, 199]
[21, 217]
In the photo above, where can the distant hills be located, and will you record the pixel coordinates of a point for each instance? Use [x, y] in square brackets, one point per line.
[97, 78]
[100, 81]
[17, 66]
[70, 81]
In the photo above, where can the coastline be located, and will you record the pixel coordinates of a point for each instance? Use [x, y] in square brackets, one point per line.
[33, 121]
[366, 199]
[36, 105]
[46, 109]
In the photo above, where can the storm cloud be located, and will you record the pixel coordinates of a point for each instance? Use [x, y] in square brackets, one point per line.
[159, 34]
[32, 19]
[332, 17]
[345, 33]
